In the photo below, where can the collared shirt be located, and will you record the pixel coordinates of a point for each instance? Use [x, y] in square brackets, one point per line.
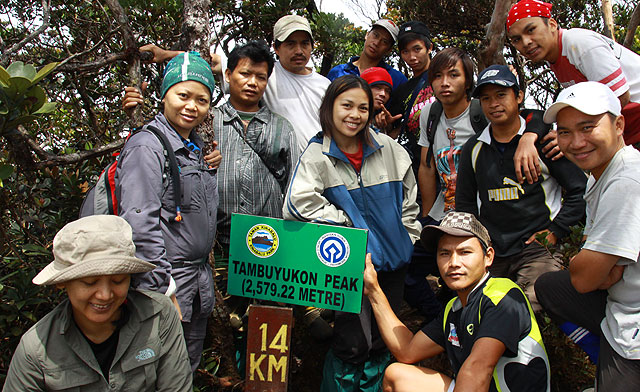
[487, 187]
[350, 68]
[256, 164]
[151, 354]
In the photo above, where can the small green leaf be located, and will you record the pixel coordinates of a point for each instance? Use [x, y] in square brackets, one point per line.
[4, 76]
[20, 69]
[19, 84]
[39, 97]
[47, 108]
[5, 172]
[44, 71]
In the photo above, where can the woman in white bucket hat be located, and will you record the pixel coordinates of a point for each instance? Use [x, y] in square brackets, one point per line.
[104, 336]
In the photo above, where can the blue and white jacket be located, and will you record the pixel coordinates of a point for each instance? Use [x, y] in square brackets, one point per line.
[325, 188]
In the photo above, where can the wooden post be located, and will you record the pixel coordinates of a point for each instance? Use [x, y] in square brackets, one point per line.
[268, 348]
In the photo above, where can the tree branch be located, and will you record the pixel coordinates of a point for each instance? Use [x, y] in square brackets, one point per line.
[491, 53]
[55, 160]
[112, 58]
[46, 13]
[133, 53]
[48, 159]
[607, 17]
[633, 26]
[62, 64]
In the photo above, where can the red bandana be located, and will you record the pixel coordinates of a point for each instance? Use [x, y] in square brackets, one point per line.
[526, 9]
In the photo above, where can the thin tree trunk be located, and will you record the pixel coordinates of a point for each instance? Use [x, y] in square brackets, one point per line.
[196, 31]
[133, 55]
[633, 26]
[491, 50]
[607, 16]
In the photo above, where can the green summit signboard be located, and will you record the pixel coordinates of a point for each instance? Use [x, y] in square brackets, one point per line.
[296, 262]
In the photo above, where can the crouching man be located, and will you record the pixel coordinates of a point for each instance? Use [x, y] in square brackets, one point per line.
[488, 331]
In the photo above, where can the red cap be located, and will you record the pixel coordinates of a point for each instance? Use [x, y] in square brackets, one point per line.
[377, 75]
[526, 9]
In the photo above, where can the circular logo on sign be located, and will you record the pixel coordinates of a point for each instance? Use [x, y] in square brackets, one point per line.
[262, 240]
[332, 249]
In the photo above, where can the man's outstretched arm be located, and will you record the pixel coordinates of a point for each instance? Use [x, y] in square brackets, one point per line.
[403, 344]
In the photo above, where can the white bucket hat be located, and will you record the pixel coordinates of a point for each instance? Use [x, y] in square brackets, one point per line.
[92, 246]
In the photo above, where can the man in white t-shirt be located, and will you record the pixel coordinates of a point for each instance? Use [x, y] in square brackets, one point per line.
[578, 55]
[600, 290]
[294, 90]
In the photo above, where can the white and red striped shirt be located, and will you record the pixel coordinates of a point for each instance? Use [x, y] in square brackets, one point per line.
[586, 55]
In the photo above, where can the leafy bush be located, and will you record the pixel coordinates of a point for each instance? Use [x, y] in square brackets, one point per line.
[34, 207]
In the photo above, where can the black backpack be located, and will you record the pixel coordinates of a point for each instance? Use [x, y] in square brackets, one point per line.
[101, 198]
[478, 122]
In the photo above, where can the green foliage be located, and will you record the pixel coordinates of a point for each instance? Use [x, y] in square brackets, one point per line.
[22, 100]
[34, 208]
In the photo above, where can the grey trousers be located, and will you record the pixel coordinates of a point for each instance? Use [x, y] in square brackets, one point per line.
[563, 303]
[194, 333]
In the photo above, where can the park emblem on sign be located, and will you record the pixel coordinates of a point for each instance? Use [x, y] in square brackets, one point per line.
[297, 263]
[262, 240]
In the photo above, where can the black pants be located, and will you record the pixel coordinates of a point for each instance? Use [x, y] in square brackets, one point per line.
[356, 336]
[563, 303]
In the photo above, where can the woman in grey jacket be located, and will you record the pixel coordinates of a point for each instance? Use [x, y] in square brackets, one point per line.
[104, 337]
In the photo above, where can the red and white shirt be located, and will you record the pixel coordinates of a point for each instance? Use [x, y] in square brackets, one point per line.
[586, 55]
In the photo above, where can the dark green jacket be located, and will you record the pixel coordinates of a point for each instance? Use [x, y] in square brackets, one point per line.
[151, 353]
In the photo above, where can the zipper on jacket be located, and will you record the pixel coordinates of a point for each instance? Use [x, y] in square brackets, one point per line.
[364, 198]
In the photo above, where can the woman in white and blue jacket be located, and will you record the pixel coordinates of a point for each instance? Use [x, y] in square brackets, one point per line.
[352, 176]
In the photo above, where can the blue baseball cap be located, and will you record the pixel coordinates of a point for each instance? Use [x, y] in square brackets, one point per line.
[500, 75]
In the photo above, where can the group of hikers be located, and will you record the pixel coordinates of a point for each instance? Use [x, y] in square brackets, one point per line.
[446, 172]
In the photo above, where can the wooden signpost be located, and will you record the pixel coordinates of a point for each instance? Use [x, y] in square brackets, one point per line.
[268, 348]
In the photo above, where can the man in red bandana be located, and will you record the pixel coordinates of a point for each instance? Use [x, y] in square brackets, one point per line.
[578, 55]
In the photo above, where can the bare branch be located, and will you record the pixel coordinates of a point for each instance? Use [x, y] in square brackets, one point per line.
[633, 26]
[46, 13]
[134, 59]
[93, 65]
[55, 160]
[607, 16]
[48, 159]
[491, 53]
[91, 49]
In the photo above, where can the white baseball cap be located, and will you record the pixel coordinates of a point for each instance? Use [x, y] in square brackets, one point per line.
[389, 26]
[590, 98]
[289, 24]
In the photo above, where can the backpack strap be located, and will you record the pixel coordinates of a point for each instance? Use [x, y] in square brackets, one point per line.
[174, 169]
[432, 124]
[478, 120]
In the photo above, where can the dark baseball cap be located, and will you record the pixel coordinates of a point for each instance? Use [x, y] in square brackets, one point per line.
[414, 27]
[499, 75]
[458, 224]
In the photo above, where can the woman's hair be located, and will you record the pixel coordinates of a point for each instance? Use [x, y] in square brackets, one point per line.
[448, 58]
[337, 87]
